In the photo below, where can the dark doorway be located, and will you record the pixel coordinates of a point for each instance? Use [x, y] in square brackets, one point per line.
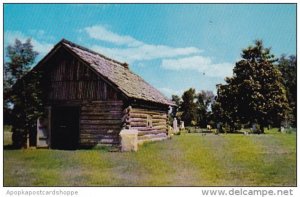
[65, 128]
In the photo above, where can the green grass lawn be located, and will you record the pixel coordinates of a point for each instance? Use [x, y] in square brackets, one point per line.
[185, 160]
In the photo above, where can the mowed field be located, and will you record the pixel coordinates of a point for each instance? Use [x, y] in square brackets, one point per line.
[185, 160]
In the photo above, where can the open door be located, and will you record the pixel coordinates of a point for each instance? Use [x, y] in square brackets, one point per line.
[65, 128]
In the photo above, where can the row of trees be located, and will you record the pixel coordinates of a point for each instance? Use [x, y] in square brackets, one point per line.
[262, 90]
[194, 108]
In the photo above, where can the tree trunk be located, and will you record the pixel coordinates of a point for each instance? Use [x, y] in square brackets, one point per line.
[261, 128]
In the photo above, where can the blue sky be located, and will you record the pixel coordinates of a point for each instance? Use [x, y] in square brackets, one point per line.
[172, 46]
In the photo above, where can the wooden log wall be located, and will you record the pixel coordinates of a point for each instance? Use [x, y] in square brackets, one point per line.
[102, 113]
[70, 79]
[70, 82]
[138, 118]
[100, 122]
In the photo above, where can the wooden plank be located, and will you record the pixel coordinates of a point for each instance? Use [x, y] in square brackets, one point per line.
[102, 122]
[106, 103]
[88, 141]
[142, 128]
[146, 112]
[104, 108]
[71, 79]
[137, 115]
[100, 131]
[138, 124]
[94, 126]
[150, 107]
[101, 108]
[137, 120]
[94, 137]
[159, 121]
[164, 116]
[142, 110]
[96, 117]
[99, 113]
[116, 102]
[160, 127]
[89, 106]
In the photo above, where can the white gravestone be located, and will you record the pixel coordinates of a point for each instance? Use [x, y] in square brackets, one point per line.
[181, 125]
[175, 127]
[282, 129]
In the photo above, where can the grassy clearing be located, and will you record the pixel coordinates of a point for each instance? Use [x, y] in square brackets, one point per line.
[188, 159]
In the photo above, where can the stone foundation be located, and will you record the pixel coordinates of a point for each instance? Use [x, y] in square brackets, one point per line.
[129, 140]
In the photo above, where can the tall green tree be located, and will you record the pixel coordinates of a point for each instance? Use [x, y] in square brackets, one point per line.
[204, 100]
[188, 107]
[174, 110]
[177, 100]
[224, 108]
[255, 93]
[22, 92]
[288, 68]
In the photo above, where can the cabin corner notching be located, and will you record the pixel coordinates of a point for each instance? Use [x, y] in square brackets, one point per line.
[91, 98]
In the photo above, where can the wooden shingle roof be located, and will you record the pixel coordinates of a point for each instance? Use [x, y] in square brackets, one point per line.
[132, 85]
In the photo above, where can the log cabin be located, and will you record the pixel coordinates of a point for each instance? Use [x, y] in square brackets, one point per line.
[90, 98]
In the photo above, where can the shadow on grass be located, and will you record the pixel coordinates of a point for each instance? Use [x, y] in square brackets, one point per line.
[243, 133]
[10, 147]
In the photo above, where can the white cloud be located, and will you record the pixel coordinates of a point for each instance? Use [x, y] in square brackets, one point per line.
[145, 52]
[200, 64]
[101, 33]
[129, 49]
[132, 49]
[40, 46]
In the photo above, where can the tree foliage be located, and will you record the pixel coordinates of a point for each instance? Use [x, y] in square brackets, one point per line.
[203, 102]
[174, 110]
[255, 93]
[188, 107]
[193, 108]
[288, 68]
[176, 99]
[22, 91]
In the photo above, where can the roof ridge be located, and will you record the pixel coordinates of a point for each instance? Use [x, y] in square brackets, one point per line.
[123, 79]
[124, 64]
